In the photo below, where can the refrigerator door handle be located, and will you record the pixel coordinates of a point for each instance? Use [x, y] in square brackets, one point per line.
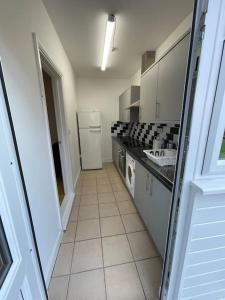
[95, 130]
[95, 126]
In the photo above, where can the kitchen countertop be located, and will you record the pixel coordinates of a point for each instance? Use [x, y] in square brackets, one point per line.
[135, 148]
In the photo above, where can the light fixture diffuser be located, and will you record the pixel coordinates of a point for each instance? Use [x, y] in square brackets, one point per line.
[110, 26]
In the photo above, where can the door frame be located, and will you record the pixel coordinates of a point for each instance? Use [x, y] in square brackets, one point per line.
[9, 132]
[44, 61]
[195, 185]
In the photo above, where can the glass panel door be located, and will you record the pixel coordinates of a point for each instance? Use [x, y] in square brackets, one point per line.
[222, 149]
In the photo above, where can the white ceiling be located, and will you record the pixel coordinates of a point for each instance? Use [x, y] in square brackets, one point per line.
[141, 25]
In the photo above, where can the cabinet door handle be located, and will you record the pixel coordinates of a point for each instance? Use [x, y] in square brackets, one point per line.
[151, 186]
[157, 109]
[147, 183]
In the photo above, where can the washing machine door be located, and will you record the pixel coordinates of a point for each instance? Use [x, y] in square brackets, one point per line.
[129, 174]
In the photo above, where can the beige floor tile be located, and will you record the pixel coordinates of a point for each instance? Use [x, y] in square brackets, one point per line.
[132, 222]
[106, 197]
[126, 207]
[89, 172]
[108, 165]
[122, 196]
[89, 184]
[79, 181]
[89, 175]
[88, 199]
[78, 191]
[141, 245]
[76, 201]
[64, 259]
[150, 272]
[102, 180]
[100, 173]
[113, 178]
[116, 179]
[89, 181]
[89, 190]
[118, 187]
[111, 226]
[104, 188]
[88, 212]
[74, 214]
[122, 283]
[69, 234]
[58, 288]
[87, 256]
[87, 286]
[108, 210]
[116, 250]
[88, 229]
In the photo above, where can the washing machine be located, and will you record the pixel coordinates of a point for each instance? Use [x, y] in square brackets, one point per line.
[130, 173]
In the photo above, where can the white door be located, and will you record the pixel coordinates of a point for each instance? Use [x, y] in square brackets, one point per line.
[89, 119]
[91, 154]
[22, 279]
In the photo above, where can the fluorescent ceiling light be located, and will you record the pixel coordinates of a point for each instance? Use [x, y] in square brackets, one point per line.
[108, 40]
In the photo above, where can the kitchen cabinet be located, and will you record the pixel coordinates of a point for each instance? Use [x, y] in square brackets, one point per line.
[130, 96]
[171, 79]
[153, 201]
[162, 86]
[115, 153]
[148, 94]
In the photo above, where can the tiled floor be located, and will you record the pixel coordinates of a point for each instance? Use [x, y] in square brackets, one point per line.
[106, 253]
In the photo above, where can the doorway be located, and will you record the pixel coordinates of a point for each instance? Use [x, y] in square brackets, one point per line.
[54, 135]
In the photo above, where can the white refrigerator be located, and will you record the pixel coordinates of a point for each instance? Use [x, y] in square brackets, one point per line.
[90, 133]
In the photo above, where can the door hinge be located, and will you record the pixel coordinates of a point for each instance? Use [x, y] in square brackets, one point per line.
[202, 20]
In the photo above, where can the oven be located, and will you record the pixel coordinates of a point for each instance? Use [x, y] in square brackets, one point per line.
[122, 161]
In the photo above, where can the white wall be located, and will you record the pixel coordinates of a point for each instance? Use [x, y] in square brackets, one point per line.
[136, 78]
[103, 95]
[181, 29]
[18, 19]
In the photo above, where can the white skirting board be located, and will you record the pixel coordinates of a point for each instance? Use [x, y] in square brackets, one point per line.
[65, 218]
[67, 205]
[49, 269]
[65, 211]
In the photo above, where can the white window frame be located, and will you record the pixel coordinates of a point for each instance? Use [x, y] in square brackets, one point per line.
[213, 164]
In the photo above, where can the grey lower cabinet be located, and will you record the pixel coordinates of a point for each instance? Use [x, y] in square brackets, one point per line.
[171, 79]
[115, 153]
[153, 201]
[148, 94]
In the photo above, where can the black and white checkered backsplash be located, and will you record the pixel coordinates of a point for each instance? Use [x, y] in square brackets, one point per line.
[146, 132]
[120, 128]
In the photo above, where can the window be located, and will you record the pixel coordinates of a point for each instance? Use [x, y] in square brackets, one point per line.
[222, 149]
[214, 162]
[5, 255]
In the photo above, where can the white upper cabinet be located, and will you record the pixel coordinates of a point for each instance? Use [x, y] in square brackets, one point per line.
[162, 86]
[148, 93]
[171, 79]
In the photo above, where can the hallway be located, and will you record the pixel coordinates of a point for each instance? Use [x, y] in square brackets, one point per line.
[105, 252]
